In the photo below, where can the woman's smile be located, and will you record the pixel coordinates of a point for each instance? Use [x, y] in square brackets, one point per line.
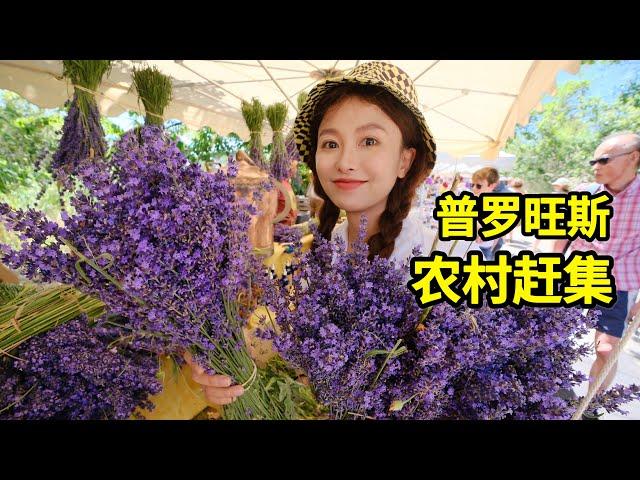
[348, 183]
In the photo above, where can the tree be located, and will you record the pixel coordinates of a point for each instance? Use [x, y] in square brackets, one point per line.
[28, 135]
[631, 94]
[560, 138]
[301, 181]
[205, 146]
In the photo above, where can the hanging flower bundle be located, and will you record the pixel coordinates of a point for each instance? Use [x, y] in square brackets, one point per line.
[82, 138]
[253, 113]
[280, 161]
[155, 91]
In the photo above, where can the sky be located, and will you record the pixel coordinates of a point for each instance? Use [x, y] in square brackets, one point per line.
[606, 79]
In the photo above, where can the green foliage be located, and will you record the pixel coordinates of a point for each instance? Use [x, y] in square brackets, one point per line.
[297, 398]
[300, 182]
[27, 133]
[561, 137]
[591, 62]
[112, 131]
[204, 147]
[136, 119]
[207, 146]
[178, 132]
[631, 95]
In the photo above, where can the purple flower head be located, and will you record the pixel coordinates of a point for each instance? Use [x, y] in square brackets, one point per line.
[285, 234]
[82, 142]
[157, 239]
[77, 372]
[355, 329]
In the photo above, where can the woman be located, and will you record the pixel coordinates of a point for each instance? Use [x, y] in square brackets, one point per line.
[369, 148]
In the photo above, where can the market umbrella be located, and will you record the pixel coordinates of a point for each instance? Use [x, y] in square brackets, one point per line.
[471, 106]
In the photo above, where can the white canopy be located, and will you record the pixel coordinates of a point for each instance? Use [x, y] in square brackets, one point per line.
[471, 107]
[469, 164]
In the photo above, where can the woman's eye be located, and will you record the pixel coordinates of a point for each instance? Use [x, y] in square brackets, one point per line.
[370, 142]
[329, 144]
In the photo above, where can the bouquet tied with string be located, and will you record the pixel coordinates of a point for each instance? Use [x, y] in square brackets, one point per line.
[163, 244]
[82, 138]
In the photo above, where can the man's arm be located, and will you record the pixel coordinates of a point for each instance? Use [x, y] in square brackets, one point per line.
[559, 245]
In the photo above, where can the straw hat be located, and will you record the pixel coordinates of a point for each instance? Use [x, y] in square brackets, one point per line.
[381, 74]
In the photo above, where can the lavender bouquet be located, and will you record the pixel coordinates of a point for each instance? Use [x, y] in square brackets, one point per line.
[276, 115]
[163, 244]
[253, 113]
[82, 138]
[77, 372]
[280, 168]
[355, 329]
[155, 91]
[342, 323]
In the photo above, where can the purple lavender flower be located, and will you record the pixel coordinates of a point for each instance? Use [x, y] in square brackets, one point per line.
[170, 238]
[616, 396]
[349, 311]
[77, 372]
[285, 234]
[82, 141]
[281, 164]
[353, 327]
[160, 242]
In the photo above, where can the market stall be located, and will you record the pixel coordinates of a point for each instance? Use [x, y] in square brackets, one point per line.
[160, 262]
[471, 106]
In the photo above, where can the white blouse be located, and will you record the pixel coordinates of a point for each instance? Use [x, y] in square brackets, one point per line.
[415, 233]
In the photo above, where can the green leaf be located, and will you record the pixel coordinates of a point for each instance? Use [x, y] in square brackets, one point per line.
[396, 406]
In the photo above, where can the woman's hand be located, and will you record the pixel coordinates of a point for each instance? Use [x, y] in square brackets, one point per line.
[217, 388]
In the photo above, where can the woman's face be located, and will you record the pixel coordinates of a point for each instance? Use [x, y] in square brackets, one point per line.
[360, 155]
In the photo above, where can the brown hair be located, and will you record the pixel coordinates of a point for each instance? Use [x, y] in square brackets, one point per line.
[402, 193]
[489, 174]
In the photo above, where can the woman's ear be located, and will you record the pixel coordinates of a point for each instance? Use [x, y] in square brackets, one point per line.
[406, 160]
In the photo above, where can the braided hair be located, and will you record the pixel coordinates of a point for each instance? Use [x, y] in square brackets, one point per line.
[401, 196]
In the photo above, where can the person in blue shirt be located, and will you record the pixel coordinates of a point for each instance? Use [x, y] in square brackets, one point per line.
[487, 180]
